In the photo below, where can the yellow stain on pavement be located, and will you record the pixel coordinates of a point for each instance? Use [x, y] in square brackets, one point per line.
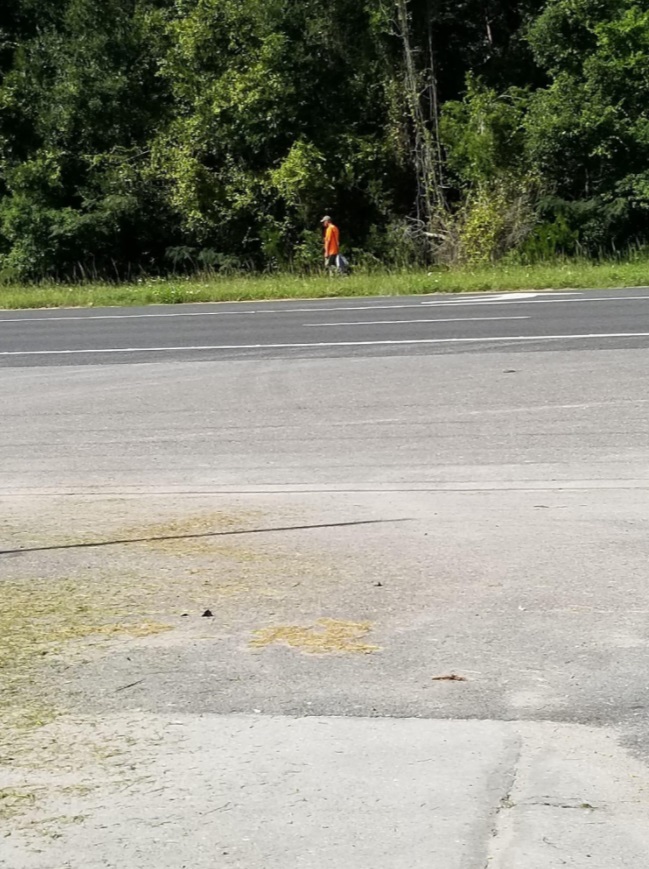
[325, 637]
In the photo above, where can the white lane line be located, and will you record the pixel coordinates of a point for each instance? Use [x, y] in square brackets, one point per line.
[175, 315]
[538, 301]
[504, 296]
[505, 299]
[501, 297]
[543, 407]
[323, 344]
[431, 320]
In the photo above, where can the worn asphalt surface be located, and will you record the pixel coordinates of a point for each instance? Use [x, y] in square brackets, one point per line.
[338, 328]
[458, 484]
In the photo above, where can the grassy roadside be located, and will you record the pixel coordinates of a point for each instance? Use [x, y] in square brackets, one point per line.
[151, 291]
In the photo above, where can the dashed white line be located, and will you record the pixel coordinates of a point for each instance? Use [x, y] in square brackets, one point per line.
[504, 296]
[421, 320]
[326, 344]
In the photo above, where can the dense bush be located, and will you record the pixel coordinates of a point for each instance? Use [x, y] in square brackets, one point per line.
[177, 135]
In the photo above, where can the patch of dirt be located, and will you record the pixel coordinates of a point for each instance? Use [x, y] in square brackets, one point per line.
[61, 607]
[325, 637]
[15, 801]
[40, 618]
[193, 535]
[55, 773]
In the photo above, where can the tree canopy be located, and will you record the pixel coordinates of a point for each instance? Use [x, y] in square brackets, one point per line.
[149, 135]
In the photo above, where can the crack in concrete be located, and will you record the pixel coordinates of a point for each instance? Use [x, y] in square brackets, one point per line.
[561, 804]
[498, 830]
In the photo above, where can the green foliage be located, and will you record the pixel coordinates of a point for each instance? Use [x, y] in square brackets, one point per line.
[307, 256]
[549, 240]
[482, 227]
[580, 143]
[75, 109]
[184, 135]
[588, 131]
[484, 134]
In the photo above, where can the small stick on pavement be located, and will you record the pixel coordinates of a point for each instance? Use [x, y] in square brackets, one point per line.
[132, 685]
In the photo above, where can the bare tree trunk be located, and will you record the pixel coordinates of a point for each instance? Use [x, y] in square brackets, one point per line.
[434, 100]
[427, 147]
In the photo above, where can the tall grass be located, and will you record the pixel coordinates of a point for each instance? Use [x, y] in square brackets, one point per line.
[570, 274]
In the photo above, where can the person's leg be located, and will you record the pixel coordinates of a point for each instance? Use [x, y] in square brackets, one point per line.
[342, 265]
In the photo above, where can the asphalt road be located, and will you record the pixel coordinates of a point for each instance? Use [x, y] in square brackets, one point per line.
[336, 328]
[473, 505]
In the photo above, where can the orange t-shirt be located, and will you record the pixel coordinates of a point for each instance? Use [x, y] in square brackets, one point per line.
[332, 240]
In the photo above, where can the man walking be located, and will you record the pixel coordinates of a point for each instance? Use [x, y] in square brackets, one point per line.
[331, 246]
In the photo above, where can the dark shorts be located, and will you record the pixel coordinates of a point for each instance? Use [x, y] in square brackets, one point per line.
[332, 261]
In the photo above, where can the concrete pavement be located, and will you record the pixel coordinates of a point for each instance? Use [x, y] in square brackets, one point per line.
[269, 793]
[358, 527]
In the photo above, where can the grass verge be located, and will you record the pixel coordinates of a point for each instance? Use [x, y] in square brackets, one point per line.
[39, 618]
[575, 274]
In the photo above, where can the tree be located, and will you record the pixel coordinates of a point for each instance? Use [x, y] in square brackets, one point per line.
[76, 108]
[588, 131]
[161, 134]
[279, 114]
